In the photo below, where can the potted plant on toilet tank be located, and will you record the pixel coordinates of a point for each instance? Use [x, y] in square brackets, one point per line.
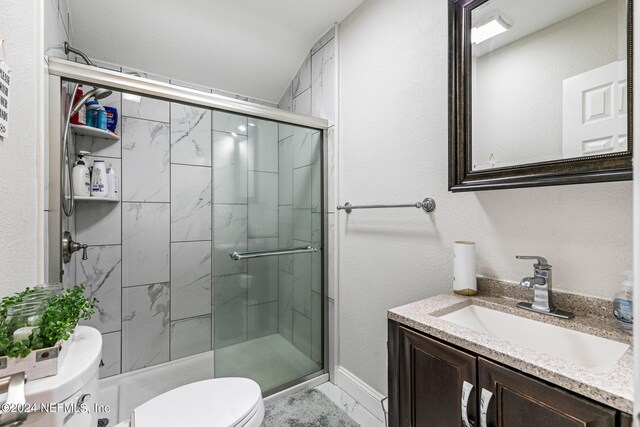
[37, 326]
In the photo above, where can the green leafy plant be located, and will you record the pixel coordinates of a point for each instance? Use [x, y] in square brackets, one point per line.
[57, 322]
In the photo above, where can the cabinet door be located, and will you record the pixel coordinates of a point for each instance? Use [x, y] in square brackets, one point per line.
[435, 382]
[511, 399]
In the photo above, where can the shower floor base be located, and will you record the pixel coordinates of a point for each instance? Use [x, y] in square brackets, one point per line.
[270, 361]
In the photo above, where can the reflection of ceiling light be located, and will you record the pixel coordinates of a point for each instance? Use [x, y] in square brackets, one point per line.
[497, 24]
[234, 134]
[251, 124]
[242, 128]
[131, 97]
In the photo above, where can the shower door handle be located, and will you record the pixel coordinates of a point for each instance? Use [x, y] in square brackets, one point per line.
[237, 256]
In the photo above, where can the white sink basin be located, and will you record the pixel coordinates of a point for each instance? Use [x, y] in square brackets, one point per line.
[588, 351]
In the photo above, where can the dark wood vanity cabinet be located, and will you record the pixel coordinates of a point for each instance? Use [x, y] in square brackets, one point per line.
[431, 383]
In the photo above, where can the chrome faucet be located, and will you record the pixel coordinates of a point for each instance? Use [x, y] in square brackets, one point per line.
[542, 289]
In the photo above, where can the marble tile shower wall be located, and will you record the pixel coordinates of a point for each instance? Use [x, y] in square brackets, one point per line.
[162, 280]
[152, 257]
[300, 210]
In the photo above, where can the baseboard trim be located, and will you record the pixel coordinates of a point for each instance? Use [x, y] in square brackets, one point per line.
[362, 392]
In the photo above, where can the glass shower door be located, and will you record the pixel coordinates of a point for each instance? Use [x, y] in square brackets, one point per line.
[268, 311]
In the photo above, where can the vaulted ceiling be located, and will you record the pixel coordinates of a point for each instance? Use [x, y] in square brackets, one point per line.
[249, 47]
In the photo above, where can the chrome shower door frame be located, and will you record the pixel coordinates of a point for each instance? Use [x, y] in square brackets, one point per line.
[63, 70]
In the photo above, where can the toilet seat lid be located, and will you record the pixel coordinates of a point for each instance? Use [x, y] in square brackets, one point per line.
[217, 402]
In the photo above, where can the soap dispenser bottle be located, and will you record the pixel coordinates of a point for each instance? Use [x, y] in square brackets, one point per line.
[99, 186]
[112, 182]
[81, 176]
[623, 305]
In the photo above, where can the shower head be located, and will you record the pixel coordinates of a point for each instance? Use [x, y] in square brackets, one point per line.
[97, 93]
[68, 48]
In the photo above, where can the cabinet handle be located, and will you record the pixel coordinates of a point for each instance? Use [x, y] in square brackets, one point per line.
[485, 400]
[467, 388]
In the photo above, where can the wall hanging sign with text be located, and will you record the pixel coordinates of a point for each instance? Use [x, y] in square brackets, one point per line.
[5, 83]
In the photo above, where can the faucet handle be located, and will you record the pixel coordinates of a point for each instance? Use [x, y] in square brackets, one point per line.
[542, 262]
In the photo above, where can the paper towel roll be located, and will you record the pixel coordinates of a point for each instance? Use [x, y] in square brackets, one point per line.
[464, 268]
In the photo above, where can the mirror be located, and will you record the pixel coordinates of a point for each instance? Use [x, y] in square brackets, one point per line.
[539, 92]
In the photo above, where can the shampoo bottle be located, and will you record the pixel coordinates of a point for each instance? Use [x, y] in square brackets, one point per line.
[81, 177]
[99, 186]
[623, 305]
[112, 182]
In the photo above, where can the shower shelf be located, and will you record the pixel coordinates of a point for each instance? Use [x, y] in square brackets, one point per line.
[96, 199]
[94, 132]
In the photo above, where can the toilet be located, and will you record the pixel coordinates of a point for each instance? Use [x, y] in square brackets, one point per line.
[220, 402]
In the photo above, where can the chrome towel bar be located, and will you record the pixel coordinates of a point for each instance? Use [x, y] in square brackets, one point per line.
[427, 205]
[237, 256]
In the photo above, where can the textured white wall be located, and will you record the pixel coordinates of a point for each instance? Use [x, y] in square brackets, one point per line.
[393, 133]
[18, 188]
[518, 92]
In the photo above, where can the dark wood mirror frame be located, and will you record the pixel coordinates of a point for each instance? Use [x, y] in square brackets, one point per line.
[599, 168]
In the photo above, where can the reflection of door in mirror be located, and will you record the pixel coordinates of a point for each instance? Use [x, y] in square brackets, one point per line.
[594, 117]
[548, 80]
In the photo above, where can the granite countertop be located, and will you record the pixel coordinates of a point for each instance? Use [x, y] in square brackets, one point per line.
[592, 316]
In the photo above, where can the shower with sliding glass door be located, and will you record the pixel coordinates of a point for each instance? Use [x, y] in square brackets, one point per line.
[210, 262]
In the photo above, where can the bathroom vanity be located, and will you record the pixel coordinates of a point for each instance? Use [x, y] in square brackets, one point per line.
[549, 372]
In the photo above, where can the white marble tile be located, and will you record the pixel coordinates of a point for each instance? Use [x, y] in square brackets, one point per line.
[316, 185]
[287, 99]
[326, 38]
[302, 333]
[263, 145]
[190, 279]
[285, 236]
[145, 326]
[285, 305]
[262, 320]
[302, 184]
[145, 161]
[190, 336]
[190, 135]
[316, 258]
[145, 243]
[230, 235]
[302, 79]
[285, 172]
[147, 108]
[332, 334]
[229, 122]
[190, 203]
[230, 310]
[263, 204]
[323, 86]
[305, 145]
[301, 104]
[348, 404]
[332, 258]
[302, 225]
[316, 327]
[230, 165]
[110, 354]
[302, 283]
[263, 272]
[101, 275]
[331, 170]
[98, 223]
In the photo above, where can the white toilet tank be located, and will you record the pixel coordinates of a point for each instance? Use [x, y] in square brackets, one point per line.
[75, 383]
